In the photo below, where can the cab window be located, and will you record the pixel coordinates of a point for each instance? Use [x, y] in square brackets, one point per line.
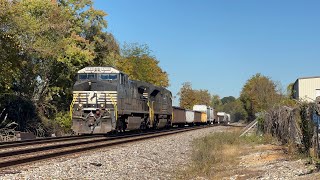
[86, 76]
[108, 76]
[123, 79]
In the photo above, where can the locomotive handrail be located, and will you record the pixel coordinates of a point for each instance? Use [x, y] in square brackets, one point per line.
[75, 96]
[151, 111]
[115, 106]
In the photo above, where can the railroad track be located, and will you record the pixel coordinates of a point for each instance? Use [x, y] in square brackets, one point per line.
[16, 153]
[12, 144]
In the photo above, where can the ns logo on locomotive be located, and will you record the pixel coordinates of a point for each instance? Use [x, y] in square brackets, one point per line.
[106, 100]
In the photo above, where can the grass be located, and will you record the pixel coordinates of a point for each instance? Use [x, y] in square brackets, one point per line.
[218, 153]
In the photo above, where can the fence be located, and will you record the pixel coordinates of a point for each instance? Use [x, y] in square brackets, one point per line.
[297, 126]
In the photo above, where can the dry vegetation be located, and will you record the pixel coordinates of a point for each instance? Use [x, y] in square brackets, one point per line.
[213, 156]
[225, 155]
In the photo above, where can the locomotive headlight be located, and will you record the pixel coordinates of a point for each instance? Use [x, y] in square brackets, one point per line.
[80, 106]
[102, 105]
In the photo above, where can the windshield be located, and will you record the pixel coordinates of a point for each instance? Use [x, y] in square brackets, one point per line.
[108, 76]
[86, 76]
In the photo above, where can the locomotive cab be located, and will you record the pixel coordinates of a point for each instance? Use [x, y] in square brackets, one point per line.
[94, 104]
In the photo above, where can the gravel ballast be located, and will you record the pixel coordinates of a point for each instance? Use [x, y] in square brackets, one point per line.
[156, 158]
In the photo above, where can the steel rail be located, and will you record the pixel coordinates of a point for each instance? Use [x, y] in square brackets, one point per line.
[12, 144]
[39, 140]
[45, 141]
[64, 149]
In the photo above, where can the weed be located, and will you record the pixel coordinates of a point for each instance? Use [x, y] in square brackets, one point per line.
[218, 152]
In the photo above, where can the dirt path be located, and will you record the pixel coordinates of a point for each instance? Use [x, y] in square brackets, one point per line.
[271, 162]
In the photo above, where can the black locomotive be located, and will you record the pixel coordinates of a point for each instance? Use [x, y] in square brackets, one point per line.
[106, 100]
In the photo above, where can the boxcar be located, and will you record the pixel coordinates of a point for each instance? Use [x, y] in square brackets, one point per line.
[207, 112]
[204, 118]
[210, 114]
[197, 117]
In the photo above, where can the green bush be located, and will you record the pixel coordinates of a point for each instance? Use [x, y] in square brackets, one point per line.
[20, 110]
[63, 119]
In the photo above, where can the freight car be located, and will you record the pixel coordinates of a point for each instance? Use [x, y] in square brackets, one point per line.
[182, 117]
[105, 100]
[179, 117]
[190, 117]
[223, 118]
[207, 113]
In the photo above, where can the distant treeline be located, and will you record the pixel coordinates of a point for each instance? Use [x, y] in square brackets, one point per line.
[259, 94]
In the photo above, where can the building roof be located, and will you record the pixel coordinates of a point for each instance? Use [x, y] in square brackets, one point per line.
[310, 77]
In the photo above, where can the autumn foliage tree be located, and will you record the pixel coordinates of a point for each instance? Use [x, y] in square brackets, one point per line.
[140, 65]
[43, 43]
[259, 94]
[190, 97]
[187, 96]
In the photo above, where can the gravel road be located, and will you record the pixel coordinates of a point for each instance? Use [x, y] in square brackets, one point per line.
[157, 158]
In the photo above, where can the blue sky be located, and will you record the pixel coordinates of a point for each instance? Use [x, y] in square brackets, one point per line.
[218, 45]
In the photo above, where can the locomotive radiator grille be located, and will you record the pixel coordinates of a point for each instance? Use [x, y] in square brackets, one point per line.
[95, 97]
[109, 98]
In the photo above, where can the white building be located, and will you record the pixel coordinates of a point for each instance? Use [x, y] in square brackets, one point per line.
[307, 88]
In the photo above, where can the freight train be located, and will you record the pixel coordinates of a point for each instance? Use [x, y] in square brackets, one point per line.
[106, 100]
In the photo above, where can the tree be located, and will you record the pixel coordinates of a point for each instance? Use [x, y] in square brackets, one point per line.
[20, 110]
[290, 90]
[43, 46]
[140, 65]
[258, 94]
[187, 96]
[235, 109]
[216, 101]
[43, 43]
[203, 97]
[190, 97]
[228, 99]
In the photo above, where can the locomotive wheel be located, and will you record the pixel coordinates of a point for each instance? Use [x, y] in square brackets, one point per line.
[121, 125]
[143, 125]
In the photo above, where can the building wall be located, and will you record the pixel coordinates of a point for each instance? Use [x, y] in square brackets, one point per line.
[307, 88]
